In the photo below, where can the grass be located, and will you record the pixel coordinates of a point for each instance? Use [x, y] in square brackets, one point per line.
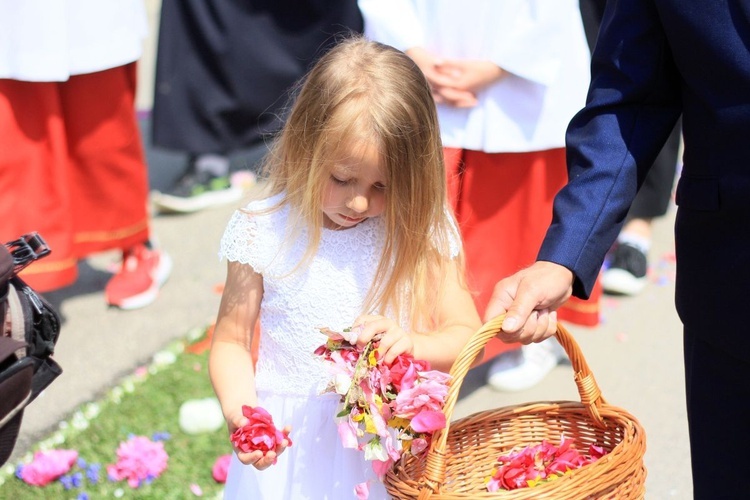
[144, 404]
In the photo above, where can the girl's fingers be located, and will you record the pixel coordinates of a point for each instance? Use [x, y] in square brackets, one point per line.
[393, 340]
[249, 458]
[366, 327]
[266, 461]
[257, 459]
[400, 345]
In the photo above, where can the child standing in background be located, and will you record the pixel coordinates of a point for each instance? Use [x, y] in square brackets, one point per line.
[355, 231]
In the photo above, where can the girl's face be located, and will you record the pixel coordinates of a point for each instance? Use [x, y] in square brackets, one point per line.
[355, 189]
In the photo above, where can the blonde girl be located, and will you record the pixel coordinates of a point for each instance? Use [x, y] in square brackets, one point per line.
[353, 230]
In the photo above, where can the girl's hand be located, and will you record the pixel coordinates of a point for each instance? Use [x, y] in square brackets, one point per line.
[393, 339]
[256, 458]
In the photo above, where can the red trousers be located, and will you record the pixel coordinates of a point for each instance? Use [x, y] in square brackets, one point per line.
[503, 203]
[72, 167]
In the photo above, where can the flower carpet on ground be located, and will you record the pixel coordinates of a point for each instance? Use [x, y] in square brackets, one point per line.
[137, 441]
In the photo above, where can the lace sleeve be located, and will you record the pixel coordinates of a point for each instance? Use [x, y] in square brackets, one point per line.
[239, 242]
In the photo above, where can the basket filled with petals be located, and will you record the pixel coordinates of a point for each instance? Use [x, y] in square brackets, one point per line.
[542, 450]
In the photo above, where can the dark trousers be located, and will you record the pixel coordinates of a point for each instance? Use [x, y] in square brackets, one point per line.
[718, 404]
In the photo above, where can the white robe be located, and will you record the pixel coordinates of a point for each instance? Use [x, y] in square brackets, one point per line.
[50, 40]
[541, 43]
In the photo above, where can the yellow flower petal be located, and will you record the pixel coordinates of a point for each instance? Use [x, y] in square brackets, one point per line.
[370, 425]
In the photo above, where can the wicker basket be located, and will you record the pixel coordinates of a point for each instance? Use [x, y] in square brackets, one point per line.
[462, 455]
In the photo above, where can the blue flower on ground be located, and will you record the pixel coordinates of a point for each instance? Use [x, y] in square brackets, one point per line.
[82, 496]
[161, 436]
[77, 479]
[92, 473]
[67, 481]
[19, 471]
[81, 463]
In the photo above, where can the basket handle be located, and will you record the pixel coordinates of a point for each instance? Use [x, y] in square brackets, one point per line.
[588, 389]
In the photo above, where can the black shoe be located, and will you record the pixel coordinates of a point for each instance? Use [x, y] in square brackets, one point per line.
[626, 274]
[195, 191]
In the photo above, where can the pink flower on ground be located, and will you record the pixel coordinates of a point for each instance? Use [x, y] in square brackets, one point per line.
[221, 468]
[48, 466]
[139, 459]
[259, 433]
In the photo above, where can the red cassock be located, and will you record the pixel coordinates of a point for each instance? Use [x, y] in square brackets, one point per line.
[503, 204]
[72, 167]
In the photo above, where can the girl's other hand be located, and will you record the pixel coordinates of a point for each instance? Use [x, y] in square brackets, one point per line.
[394, 340]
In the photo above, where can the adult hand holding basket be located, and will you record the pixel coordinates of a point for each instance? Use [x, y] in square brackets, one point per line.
[462, 455]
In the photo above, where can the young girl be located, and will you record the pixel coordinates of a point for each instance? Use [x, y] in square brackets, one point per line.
[355, 231]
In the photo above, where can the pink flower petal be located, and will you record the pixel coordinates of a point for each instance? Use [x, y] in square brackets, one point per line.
[348, 433]
[221, 468]
[428, 421]
[381, 468]
[362, 491]
[48, 466]
[259, 433]
[139, 459]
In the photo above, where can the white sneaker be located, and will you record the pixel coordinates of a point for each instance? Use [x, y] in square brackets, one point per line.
[536, 361]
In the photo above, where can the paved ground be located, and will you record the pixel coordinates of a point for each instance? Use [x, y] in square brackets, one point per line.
[636, 354]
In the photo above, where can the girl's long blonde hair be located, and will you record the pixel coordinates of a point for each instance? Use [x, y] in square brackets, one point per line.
[366, 91]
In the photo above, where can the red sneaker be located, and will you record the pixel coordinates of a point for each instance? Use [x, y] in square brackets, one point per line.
[143, 272]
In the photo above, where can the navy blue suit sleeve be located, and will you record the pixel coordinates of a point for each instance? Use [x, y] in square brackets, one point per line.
[633, 103]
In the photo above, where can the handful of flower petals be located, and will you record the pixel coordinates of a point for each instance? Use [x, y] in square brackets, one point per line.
[538, 464]
[259, 433]
[385, 409]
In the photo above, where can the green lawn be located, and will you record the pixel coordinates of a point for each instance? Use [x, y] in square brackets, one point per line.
[145, 404]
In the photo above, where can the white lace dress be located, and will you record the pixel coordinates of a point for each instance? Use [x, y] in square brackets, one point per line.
[289, 378]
